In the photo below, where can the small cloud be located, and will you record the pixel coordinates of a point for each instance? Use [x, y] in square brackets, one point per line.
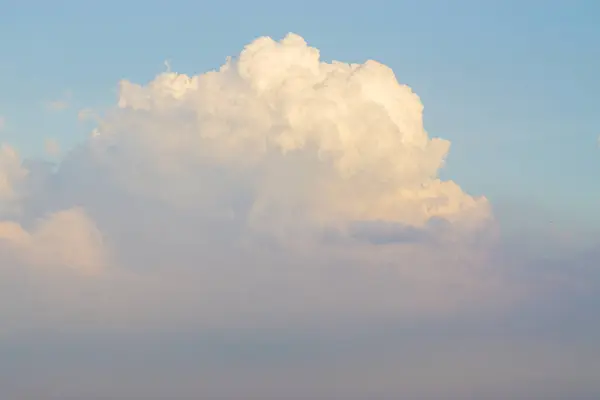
[66, 238]
[168, 65]
[60, 104]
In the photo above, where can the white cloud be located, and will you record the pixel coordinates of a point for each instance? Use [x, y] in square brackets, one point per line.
[317, 142]
[61, 104]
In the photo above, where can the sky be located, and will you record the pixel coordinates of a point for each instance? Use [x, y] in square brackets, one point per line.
[299, 200]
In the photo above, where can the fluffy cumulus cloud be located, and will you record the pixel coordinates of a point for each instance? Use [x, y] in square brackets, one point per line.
[60, 104]
[278, 189]
[310, 142]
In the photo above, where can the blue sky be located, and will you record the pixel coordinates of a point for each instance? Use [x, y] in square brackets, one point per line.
[513, 85]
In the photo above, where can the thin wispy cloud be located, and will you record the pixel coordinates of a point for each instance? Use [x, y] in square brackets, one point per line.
[87, 114]
[60, 104]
